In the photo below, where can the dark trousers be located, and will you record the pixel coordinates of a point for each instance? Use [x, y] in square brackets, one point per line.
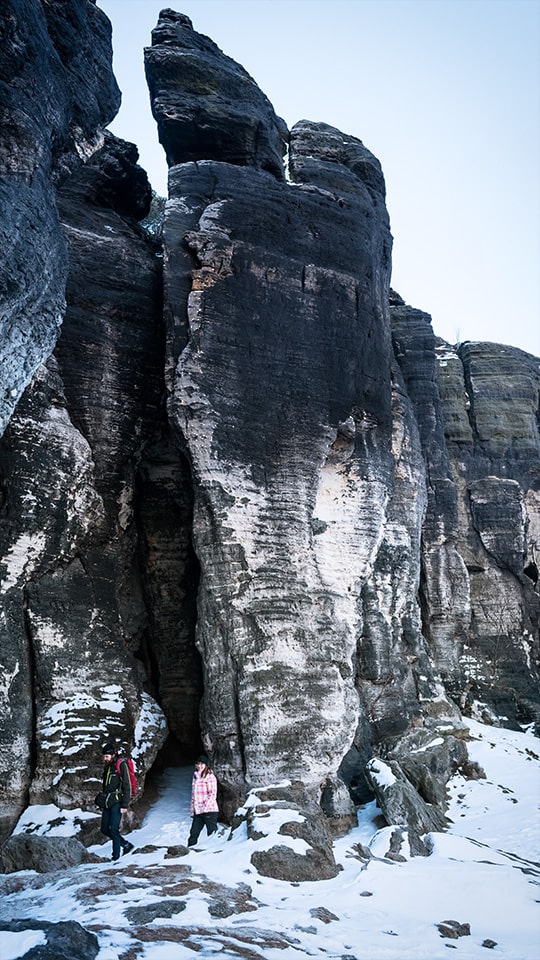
[198, 822]
[110, 826]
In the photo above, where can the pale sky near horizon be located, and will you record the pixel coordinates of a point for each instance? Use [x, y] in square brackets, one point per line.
[446, 93]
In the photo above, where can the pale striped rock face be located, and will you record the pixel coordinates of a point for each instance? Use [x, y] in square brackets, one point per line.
[308, 479]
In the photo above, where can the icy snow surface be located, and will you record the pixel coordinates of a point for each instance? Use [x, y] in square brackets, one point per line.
[484, 871]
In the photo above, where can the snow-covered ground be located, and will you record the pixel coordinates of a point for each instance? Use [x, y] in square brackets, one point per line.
[485, 871]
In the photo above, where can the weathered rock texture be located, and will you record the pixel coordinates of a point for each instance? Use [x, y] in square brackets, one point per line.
[72, 607]
[477, 407]
[59, 941]
[220, 114]
[57, 94]
[246, 482]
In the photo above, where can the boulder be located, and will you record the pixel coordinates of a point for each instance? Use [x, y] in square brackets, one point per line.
[399, 802]
[44, 854]
[273, 815]
[55, 941]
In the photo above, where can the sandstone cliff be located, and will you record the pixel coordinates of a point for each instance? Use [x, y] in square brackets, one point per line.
[246, 492]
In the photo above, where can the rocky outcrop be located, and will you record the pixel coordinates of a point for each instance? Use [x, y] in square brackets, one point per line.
[43, 854]
[246, 482]
[220, 113]
[289, 435]
[73, 611]
[58, 93]
[477, 408]
[291, 838]
[267, 420]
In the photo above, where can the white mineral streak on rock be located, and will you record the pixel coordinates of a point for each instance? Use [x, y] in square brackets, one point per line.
[532, 511]
[352, 515]
[273, 622]
[151, 720]
[272, 589]
[22, 558]
[48, 633]
[437, 741]
[6, 679]
[125, 505]
[526, 643]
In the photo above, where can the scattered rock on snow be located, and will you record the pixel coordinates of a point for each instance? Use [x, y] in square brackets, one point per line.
[321, 913]
[178, 851]
[151, 911]
[65, 941]
[453, 929]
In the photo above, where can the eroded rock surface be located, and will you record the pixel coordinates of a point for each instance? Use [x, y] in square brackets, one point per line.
[477, 409]
[240, 477]
[73, 606]
[58, 93]
[221, 113]
[43, 854]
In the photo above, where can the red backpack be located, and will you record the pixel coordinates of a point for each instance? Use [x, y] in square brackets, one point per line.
[131, 771]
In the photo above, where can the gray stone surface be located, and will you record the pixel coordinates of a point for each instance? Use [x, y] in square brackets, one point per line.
[246, 481]
[221, 114]
[63, 941]
[43, 854]
[58, 93]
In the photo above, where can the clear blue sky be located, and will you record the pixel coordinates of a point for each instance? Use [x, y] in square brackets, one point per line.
[446, 93]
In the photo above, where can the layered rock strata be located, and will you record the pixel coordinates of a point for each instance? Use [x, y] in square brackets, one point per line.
[308, 484]
[246, 482]
[72, 609]
[57, 94]
[477, 407]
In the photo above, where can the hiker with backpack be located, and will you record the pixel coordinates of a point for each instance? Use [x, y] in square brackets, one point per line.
[115, 798]
[204, 806]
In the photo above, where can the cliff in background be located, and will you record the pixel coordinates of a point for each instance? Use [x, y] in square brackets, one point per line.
[246, 494]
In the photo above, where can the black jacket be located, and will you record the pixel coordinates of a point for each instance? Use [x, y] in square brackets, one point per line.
[113, 781]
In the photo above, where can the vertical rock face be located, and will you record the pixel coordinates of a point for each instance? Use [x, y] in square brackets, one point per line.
[308, 488]
[58, 92]
[70, 577]
[246, 482]
[278, 416]
[477, 409]
[496, 465]
[220, 114]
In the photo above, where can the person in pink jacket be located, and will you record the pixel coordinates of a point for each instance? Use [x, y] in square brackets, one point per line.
[204, 805]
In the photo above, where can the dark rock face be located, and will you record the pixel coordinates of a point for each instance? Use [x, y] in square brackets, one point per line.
[63, 941]
[221, 113]
[267, 482]
[58, 92]
[399, 801]
[74, 612]
[478, 416]
[245, 482]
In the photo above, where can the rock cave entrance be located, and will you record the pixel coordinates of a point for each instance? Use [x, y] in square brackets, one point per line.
[170, 574]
